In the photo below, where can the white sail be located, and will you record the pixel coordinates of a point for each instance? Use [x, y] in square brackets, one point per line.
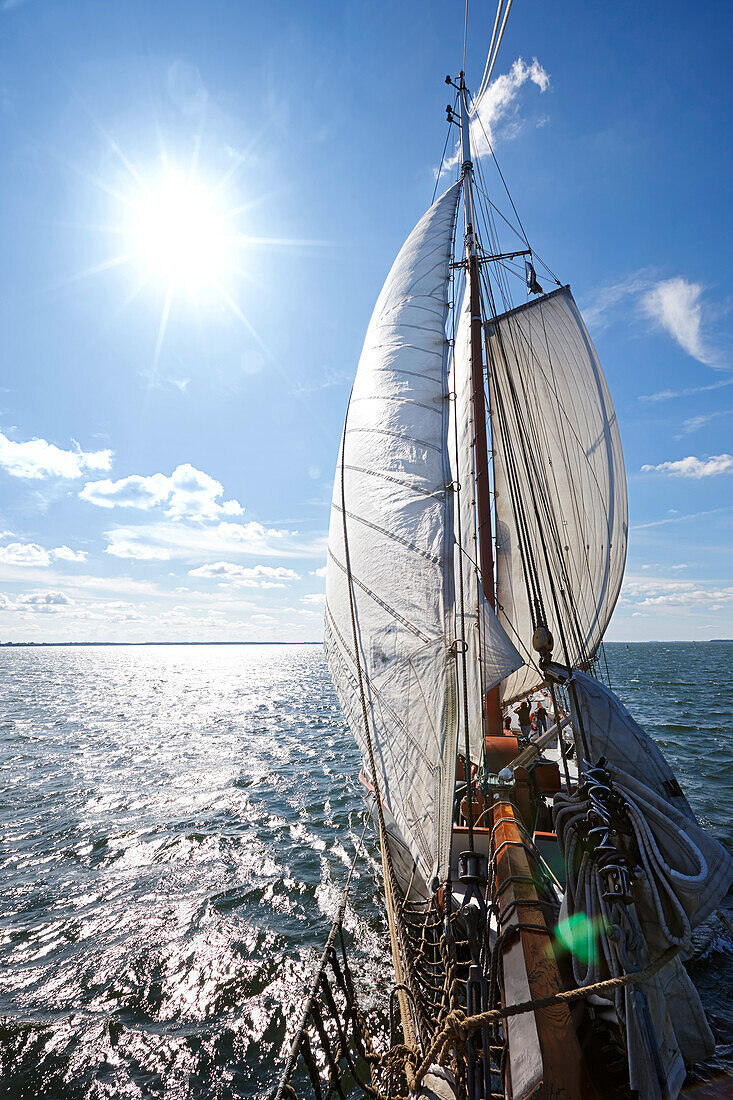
[393, 489]
[394, 479]
[557, 450]
[490, 654]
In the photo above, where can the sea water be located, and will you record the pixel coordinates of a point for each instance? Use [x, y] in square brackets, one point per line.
[177, 823]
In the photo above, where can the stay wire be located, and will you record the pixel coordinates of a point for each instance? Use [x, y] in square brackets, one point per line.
[490, 147]
[445, 149]
[465, 37]
[494, 48]
[523, 429]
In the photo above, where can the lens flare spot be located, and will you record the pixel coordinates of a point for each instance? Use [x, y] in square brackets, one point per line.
[579, 935]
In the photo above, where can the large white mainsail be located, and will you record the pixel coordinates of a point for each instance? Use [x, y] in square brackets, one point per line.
[557, 451]
[393, 493]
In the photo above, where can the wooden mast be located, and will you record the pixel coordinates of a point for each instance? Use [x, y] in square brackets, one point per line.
[545, 1060]
[481, 452]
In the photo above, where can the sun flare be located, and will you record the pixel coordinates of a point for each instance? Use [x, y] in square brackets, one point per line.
[180, 233]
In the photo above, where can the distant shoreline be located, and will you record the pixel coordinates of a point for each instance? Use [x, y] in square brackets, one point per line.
[56, 645]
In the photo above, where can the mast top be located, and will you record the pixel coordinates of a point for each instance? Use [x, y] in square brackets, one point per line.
[466, 159]
[462, 121]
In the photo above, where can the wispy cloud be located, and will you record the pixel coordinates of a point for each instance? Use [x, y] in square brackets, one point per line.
[694, 423]
[175, 539]
[675, 518]
[692, 391]
[599, 310]
[694, 467]
[241, 576]
[37, 458]
[497, 112]
[674, 306]
[186, 88]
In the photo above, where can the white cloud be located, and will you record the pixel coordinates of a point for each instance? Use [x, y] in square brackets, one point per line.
[321, 572]
[188, 492]
[128, 492]
[497, 108]
[176, 539]
[674, 305]
[30, 553]
[65, 553]
[43, 601]
[694, 467]
[38, 459]
[257, 576]
[138, 551]
[499, 101]
[315, 599]
[37, 602]
[24, 553]
[663, 592]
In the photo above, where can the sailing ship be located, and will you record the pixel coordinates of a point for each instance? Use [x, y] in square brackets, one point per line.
[541, 886]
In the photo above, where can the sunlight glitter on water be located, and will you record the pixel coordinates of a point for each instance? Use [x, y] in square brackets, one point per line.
[177, 849]
[177, 824]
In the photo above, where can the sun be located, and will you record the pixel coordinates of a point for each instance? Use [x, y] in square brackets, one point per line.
[180, 233]
[184, 233]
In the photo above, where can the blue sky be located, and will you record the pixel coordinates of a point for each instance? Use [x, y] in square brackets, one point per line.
[166, 458]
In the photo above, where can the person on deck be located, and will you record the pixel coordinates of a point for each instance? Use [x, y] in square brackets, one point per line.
[508, 724]
[524, 715]
[540, 717]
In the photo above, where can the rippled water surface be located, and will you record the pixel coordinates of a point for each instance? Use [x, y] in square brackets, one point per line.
[177, 823]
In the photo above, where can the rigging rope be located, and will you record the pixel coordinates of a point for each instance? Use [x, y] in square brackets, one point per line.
[493, 50]
[465, 35]
[315, 984]
[439, 173]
